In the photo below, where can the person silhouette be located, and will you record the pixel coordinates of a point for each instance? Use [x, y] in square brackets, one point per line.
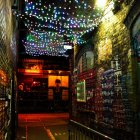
[57, 95]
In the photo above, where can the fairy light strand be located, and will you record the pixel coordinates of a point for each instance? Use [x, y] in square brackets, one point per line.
[49, 23]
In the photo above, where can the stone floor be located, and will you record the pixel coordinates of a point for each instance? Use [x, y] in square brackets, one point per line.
[52, 126]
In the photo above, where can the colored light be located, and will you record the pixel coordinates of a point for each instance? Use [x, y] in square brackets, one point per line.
[32, 71]
[51, 23]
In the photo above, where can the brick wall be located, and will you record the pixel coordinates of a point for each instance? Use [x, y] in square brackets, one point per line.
[6, 37]
[114, 30]
[112, 42]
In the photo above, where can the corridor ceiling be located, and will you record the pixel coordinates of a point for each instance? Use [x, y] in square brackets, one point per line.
[54, 25]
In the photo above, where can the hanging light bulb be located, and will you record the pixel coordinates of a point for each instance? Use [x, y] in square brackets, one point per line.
[101, 3]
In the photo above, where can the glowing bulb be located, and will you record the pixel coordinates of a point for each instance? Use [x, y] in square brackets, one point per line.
[101, 3]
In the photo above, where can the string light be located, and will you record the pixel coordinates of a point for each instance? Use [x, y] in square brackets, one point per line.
[49, 24]
[40, 43]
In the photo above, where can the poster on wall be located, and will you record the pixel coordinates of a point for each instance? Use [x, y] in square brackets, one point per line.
[81, 91]
[53, 80]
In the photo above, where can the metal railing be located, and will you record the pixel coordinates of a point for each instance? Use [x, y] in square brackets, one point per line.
[78, 131]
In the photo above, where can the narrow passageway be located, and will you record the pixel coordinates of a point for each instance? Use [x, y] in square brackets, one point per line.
[51, 126]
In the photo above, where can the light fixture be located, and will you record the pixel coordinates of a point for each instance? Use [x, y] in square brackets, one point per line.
[48, 24]
[101, 3]
[67, 47]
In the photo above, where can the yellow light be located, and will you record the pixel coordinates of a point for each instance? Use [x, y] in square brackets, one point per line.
[32, 71]
[101, 3]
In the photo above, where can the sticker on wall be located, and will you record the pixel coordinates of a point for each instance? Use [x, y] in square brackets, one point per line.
[3, 77]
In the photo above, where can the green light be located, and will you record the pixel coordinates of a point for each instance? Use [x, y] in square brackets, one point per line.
[68, 18]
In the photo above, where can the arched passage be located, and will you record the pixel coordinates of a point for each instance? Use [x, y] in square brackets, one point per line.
[132, 22]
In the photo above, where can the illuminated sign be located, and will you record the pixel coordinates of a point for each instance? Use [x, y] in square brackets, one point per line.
[63, 80]
[67, 47]
[32, 71]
